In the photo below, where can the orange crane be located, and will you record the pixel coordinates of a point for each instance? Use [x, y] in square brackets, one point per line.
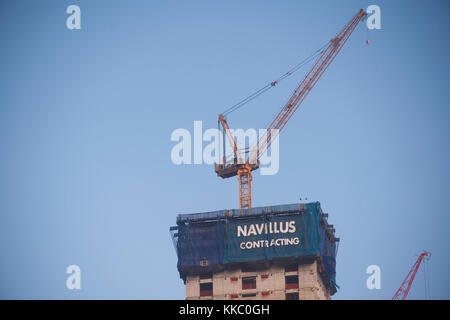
[246, 160]
[403, 291]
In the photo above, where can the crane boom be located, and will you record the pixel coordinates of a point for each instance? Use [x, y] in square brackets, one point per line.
[300, 93]
[403, 291]
[242, 167]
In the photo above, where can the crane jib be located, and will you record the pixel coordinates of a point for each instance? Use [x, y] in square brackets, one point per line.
[242, 166]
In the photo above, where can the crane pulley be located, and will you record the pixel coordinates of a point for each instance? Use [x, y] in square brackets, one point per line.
[247, 161]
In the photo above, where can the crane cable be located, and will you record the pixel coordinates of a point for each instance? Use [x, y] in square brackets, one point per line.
[426, 276]
[274, 83]
[271, 85]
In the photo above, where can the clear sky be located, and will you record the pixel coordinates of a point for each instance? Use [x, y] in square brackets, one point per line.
[86, 117]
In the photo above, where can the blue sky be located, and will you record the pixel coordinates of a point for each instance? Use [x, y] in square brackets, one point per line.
[86, 117]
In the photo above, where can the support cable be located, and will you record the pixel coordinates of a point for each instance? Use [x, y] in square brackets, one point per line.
[274, 83]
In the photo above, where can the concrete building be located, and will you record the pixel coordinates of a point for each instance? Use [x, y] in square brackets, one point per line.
[276, 253]
[293, 282]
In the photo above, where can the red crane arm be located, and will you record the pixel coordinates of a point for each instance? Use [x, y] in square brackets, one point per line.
[403, 291]
[300, 93]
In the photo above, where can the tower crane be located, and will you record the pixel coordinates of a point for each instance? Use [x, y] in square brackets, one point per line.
[403, 291]
[246, 160]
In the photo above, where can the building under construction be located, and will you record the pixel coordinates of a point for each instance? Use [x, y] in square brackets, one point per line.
[277, 252]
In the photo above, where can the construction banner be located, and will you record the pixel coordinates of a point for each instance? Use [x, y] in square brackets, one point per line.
[268, 237]
[280, 232]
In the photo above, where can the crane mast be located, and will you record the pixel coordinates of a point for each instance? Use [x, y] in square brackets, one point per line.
[403, 291]
[242, 166]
